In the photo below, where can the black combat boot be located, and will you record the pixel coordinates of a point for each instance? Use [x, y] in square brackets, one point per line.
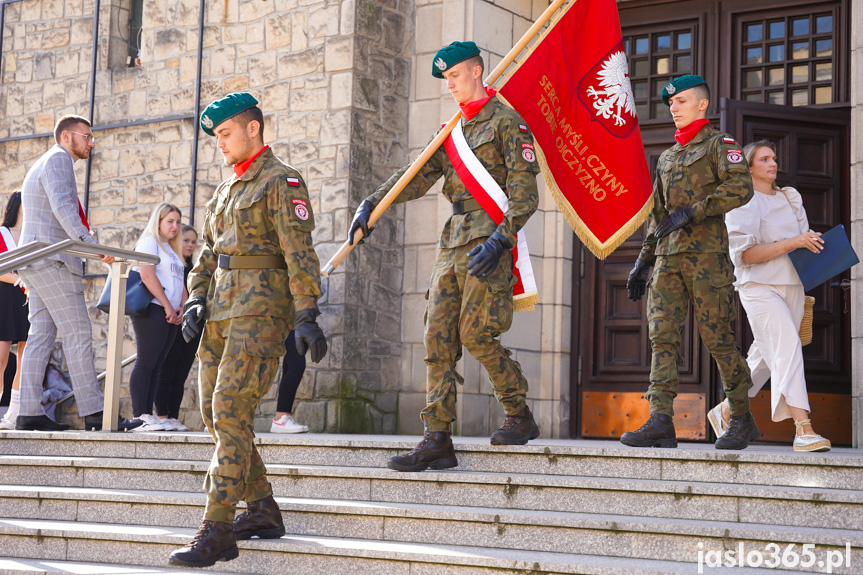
[516, 429]
[213, 542]
[261, 519]
[435, 451]
[658, 431]
[740, 433]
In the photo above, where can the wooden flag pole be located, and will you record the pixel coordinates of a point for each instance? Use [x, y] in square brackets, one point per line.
[417, 164]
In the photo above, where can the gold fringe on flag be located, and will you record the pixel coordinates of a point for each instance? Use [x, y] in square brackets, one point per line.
[525, 301]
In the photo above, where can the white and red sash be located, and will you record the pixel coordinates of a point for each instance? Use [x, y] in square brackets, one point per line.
[493, 200]
[7, 240]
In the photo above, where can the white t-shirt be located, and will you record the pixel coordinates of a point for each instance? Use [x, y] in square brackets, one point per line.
[169, 271]
[764, 220]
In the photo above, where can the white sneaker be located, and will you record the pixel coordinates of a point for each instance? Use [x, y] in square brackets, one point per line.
[286, 424]
[8, 422]
[167, 423]
[177, 425]
[151, 423]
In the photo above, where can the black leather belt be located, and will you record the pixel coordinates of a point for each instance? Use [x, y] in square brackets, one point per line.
[271, 262]
[459, 208]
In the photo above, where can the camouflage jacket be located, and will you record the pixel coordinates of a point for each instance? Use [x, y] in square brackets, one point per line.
[496, 135]
[266, 211]
[710, 175]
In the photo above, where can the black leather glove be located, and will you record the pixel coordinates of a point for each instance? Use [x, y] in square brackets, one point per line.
[637, 282]
[361, 221]
[672, 222]
[486, 255]
[309, 335]
[193, 312]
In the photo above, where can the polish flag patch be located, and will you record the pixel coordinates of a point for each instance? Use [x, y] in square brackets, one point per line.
[293, 182]
[522, 128]
[728, 140]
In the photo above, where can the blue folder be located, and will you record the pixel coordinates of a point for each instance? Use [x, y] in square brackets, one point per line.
[836, 257]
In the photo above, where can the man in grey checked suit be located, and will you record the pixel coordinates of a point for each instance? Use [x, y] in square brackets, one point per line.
[52, 213]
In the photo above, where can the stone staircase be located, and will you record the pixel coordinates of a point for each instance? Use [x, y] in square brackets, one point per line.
[104, 503]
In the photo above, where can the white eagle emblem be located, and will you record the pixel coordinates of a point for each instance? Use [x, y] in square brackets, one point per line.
[205, 119]
[440, 64]
[616, 98]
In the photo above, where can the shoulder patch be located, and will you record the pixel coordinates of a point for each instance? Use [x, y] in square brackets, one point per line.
[299, 202]
[735, 156]
[302, 212]
[522, 128]
[527, 146]
[728, 140]
[293, 181]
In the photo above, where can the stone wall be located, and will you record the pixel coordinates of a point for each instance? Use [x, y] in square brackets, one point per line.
[540, 339]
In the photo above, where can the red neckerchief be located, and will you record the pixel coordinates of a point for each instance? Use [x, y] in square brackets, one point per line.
[83, 216]
[471, 109]
[240, 169]
[685, 135]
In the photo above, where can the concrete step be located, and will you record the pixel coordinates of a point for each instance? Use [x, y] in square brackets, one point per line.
[151, 545]
[763, 465]
[19, 566]
[531, 530]
[747, 503]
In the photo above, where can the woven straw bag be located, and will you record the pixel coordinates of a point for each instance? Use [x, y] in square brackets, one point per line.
[806, 323]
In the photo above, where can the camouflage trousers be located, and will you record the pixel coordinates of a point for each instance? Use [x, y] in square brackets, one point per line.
[239, 359]
[705, 279]
[463, 310]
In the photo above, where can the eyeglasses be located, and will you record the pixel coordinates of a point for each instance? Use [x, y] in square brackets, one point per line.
[90, 137]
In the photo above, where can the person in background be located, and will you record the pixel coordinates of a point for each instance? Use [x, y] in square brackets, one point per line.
[181, 356]
[155, 332]
[13, 306]
[53, 213]
[293, 367]
[760, 235]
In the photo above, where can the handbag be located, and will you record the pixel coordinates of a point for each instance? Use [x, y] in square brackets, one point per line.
[137, 296]
[805, 331]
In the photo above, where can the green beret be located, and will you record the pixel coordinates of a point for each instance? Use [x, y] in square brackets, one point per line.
[680, 84]
[449, 56]
[226, 108]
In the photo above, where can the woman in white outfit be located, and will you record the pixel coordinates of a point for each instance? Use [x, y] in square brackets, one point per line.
[760, 235]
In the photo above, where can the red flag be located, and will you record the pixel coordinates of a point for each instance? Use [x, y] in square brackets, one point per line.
[573, 90]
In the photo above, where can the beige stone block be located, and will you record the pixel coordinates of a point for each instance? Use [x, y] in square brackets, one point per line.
[339, 54]
[250, 49]
[237, 84]
[413, 309]
[410, 406]
[55, 39]
[347, 20]
[297, 64]
[423, 122]
[526, 331]
[44, 122]
[520, 26]
[278, 31]
[423, 229]
[250, 11]
[336, 128]
[299, 35]
[262, 69]
[100, 217]
[308, 100]
[341, 90]
[324, 22]
[131, 163]
[233, 34]
[537, 8]
[223, 60]
[427, 86]
[133, 214]
[428, 28]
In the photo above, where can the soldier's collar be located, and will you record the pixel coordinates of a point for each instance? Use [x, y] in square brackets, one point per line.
[702, 135]
[257, 165]
[487, 111]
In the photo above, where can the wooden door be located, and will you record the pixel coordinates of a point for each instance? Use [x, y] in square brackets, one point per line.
[813, 151]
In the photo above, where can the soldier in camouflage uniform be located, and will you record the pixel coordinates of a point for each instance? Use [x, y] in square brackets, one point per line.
[698, 180]
[257, 278]
[470, 299]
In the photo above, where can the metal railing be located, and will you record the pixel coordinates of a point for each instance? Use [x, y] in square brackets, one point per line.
[99, 377]
[123, 261]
